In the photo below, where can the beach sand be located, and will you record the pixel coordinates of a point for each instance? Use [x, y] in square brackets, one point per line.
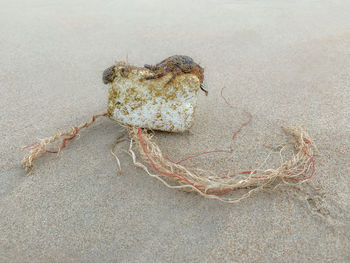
[287, 63]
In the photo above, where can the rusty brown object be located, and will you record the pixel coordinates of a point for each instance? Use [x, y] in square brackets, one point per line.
[177, 65]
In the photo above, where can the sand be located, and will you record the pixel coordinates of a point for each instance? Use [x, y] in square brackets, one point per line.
[287, 63]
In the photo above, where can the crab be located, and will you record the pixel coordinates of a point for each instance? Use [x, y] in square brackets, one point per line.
[177, 65]
[109, 73]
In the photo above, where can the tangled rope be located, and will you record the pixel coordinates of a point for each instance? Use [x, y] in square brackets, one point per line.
[39, 148]
[298, 169]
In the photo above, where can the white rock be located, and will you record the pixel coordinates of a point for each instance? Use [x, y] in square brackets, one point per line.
[152, 104]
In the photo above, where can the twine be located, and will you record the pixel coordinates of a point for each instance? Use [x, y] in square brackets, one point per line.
[298, 169]
[39, 148]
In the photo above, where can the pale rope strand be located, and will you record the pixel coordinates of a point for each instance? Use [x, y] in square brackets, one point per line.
[118, 140]
[40, 149]
[258, 179]
[182, 187]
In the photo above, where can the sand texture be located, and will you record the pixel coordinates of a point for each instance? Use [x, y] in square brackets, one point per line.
[286, 62]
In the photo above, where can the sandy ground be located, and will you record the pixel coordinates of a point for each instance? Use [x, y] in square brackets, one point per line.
[287, 63]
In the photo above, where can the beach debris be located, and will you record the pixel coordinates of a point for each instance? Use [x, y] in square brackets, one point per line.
[39, 148]
[224, 185]
[161, 97]
[227, 185]
[177, 65]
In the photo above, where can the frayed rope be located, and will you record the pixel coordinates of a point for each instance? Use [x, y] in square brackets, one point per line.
[298, 169]
[39, 148]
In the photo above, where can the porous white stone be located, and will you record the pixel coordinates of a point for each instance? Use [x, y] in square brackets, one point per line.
[152, 104]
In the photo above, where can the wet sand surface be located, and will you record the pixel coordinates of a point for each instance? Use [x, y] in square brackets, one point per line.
[287, 63]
